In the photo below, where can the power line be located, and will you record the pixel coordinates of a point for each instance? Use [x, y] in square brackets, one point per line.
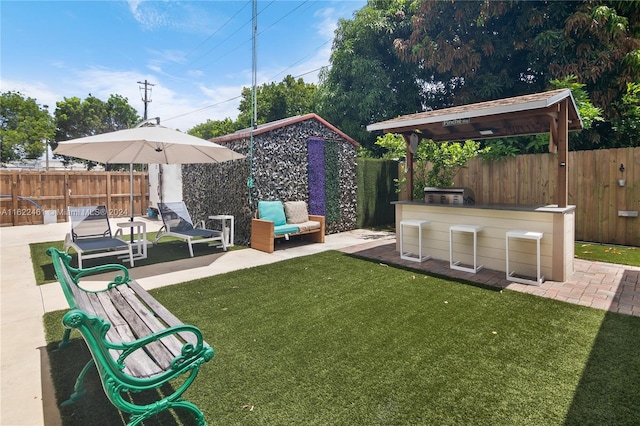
[300, 60]
[203, 108]
[219, 29]
[233, 49]
[231, 99]
[251, 39]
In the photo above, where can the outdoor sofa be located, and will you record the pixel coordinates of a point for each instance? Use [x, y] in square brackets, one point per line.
[275, 219]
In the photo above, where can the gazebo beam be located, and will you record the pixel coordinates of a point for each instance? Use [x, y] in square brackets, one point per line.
[563, 148]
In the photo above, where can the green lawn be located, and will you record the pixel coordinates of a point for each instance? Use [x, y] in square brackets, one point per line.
[331, 339]
[608, 253]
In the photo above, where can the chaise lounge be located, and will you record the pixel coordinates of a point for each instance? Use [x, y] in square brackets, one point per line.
[178, 223]
[91, 235]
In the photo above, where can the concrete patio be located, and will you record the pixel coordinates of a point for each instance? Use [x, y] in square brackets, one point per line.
[26, 394]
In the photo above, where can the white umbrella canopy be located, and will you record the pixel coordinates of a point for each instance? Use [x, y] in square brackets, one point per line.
[146, 145]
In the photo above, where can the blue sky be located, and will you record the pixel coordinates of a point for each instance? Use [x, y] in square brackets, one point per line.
[198, 54]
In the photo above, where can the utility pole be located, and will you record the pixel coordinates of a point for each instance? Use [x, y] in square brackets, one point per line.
[146, 98]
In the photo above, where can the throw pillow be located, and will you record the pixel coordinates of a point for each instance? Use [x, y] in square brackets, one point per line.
[272, 211]
[296, 211]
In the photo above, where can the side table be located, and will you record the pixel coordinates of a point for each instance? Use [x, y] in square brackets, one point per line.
[140, 241]
[227, 231]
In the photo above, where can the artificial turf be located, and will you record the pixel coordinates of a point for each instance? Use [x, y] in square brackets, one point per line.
[330, 339]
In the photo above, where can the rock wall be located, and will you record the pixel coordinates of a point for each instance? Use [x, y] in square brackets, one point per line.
[280, 172]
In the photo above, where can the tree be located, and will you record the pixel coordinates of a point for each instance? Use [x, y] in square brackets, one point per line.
[402, 56]
[25, 127]
[214, 128]
[288, 98]
[76, 118]
[627, 123]
[488, 50]
[445, 158]
[367, 81]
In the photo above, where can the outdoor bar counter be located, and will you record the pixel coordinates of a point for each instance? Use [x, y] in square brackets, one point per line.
[555, 224]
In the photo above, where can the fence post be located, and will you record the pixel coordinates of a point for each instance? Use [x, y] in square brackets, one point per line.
[14, 197]
[67, 195]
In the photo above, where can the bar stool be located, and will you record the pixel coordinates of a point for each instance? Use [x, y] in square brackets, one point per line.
[527, 235]
[474, 229]
[409, 255]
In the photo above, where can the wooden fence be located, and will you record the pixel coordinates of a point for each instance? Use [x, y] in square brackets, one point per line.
[31, 197]
[593, 188]
[527, 179]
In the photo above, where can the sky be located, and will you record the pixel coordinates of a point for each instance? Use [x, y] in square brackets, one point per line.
[197, 54]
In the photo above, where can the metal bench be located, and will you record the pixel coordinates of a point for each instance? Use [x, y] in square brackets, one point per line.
[135, 342]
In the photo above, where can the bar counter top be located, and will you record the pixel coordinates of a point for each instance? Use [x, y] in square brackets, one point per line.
[508, 207]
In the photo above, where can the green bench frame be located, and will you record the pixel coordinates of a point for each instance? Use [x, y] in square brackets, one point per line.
[135, 342]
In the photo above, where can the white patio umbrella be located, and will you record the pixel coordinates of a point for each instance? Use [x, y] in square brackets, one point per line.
[146, 144]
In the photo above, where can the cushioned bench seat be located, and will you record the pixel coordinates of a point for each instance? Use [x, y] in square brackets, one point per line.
[278, 220]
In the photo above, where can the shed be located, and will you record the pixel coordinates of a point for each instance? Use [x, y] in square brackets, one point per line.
[297, 158]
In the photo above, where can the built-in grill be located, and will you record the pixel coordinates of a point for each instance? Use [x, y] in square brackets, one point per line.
[448, 195]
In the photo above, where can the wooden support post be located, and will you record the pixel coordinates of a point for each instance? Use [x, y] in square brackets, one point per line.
[553, 133]
[409, 168]
[563, 148]
[107, 190]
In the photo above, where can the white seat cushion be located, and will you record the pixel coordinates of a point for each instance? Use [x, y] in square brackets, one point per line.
[308, 225]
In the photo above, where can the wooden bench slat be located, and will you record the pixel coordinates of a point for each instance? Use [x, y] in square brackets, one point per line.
[92, 305]
[138, 363]
[161, 311]
[81, 297]
[156, 350]
[171, 342]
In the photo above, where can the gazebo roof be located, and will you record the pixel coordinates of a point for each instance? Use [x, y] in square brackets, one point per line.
[517, 116]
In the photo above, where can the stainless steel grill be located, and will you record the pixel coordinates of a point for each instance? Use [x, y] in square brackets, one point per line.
[449, 195]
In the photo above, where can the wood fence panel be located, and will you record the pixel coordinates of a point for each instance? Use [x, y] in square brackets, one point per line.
[27, 194]
[593, 188]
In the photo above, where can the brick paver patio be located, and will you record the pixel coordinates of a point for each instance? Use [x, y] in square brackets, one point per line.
[599, 285]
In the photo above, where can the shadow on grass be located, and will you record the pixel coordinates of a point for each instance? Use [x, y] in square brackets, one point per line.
[94, 408]
[162, 253]
[607, 393]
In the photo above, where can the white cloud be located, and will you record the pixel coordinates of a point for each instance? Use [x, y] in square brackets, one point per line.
[182, 16]
[36, 90]
[181, 109]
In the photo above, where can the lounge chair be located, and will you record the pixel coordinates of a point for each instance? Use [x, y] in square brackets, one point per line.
[91, 236]
[177, 223]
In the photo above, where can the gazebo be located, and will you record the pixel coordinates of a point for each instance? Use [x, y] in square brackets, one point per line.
[552, 112]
